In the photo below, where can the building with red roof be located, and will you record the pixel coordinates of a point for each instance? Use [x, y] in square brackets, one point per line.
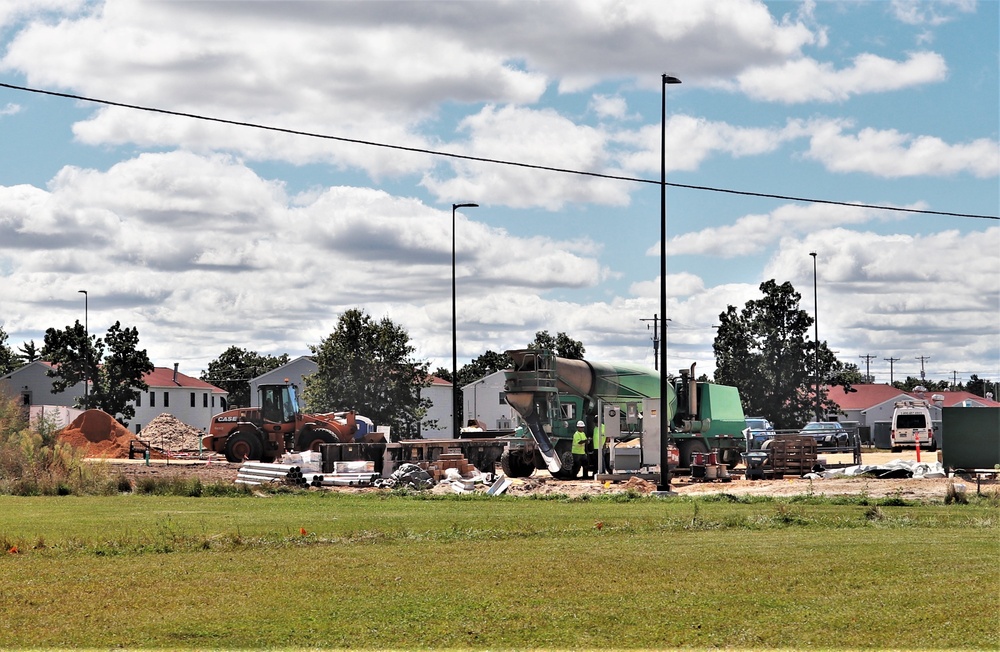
[190, 400]
[868, 404]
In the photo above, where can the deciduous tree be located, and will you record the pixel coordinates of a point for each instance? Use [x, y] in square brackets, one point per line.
[562, 344]
[235, 368]
[765, 352]
[115, 378]
[367, 366]
[9, 361]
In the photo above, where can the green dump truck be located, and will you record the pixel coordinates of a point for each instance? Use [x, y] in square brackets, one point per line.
[551, 394]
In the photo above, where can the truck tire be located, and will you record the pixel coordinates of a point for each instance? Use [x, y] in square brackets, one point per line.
[730, 457]
[686, 450]
[515, 466]
[311, 439]
[243, 446]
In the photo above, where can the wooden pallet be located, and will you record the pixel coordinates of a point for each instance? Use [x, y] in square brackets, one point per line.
[792, 454]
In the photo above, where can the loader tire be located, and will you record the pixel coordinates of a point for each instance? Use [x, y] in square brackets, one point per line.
[311, 440]
[243, 446]
[515, 466]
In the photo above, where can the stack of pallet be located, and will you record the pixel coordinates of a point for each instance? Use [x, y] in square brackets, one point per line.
[792, 454]
[439, 467]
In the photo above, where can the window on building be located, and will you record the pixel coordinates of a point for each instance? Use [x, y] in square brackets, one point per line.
[138, 400]
[213, 401]
[166, 399]
[204, 400]
[152, 399]
[192, 399]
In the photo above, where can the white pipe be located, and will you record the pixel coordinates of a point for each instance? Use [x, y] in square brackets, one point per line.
[272, 467]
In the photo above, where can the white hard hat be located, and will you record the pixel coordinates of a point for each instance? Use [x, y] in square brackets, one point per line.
[581, 424]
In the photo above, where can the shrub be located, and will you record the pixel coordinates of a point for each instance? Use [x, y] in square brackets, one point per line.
[32, 459]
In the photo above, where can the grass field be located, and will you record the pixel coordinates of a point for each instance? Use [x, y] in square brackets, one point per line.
[366, 571]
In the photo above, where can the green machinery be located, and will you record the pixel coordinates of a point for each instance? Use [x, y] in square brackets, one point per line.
[551, 394]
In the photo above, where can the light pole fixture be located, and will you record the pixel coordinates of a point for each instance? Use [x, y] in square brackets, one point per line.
[454, 327]
[816, 336]
[664, 421]
[86, 343]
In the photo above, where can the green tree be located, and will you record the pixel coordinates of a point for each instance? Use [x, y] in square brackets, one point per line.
[981, 387]
[9, 361]
[848, 374]
[367, 366]
[115, 379]
[235, 368]
[562, 344]
[912, 383]
[765, 352]
[29, 352]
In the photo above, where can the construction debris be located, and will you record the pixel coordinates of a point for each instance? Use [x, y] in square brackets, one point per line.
[407, 475]
[168, 433]
[98, 434]
[899, 468]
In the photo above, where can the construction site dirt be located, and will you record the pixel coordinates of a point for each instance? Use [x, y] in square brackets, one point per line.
[929, 489]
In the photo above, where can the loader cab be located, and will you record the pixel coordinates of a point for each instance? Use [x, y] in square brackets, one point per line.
[278, 403]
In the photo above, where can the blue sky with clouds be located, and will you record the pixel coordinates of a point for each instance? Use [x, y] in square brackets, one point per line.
[206, 235]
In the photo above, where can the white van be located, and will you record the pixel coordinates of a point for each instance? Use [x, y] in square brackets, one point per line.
[911, 424]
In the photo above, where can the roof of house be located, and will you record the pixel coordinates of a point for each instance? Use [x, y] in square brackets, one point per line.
[165, 377]
[866, 396]
[438, 381]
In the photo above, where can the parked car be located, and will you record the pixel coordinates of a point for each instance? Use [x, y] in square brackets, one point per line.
[760, 431]
[826, 433]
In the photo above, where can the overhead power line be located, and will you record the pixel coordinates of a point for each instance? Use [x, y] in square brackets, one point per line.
[482, 159]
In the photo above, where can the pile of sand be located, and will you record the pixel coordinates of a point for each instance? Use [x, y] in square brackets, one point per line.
[166, 432]
[98, 434]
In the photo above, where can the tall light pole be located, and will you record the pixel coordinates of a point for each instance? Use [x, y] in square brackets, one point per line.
[664, 421]
[86, 350]
[454, 327]
[816, 324]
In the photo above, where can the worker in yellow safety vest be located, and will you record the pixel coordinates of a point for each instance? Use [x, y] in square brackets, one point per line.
[596, 447]
[579, 449]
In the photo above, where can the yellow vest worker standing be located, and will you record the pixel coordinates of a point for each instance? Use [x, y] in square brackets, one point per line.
[579, 450]
[596, 449]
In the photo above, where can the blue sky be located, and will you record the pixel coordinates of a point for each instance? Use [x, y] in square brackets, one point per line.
[206, 235]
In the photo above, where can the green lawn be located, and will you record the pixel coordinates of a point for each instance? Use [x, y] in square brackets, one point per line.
[406, 572]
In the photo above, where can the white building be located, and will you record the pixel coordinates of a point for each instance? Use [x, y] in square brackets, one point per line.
[483, 402]
[190, 400]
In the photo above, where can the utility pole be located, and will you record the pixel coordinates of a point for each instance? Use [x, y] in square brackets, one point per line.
[656, 340]
[868, 371]
[890, 361]
[954, 380]
[923, 359]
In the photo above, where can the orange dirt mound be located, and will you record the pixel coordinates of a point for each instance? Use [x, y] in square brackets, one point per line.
[97, 433]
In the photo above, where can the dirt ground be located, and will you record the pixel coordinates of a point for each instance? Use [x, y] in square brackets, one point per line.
[925, 489]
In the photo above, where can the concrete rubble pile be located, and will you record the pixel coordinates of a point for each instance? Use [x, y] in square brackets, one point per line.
[168, 433]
